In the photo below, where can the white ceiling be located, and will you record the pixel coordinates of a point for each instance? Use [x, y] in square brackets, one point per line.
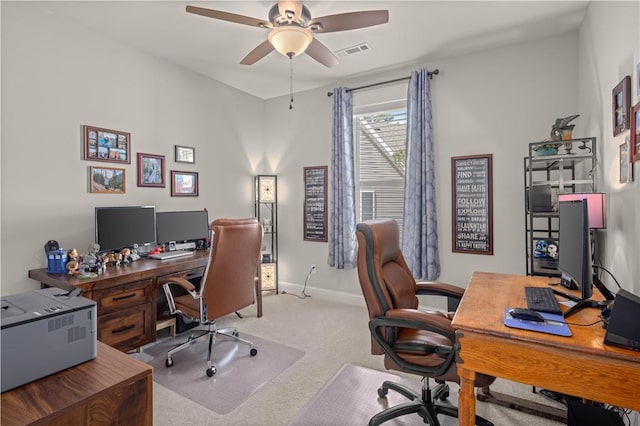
[418, 32]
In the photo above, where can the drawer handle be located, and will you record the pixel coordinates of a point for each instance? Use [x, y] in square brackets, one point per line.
[120, 330]
[128, 296]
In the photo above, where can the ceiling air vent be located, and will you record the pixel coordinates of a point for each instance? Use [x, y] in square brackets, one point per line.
[362, 47]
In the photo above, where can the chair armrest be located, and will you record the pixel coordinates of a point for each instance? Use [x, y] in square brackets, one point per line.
[166, 283]
[434, 288]
[411, 318]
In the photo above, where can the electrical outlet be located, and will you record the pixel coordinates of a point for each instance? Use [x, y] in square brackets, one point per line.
[314, 270]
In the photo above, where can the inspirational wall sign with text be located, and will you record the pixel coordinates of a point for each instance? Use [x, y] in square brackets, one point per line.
[472, 204]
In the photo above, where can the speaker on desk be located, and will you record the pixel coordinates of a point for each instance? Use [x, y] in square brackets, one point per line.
[622, 327]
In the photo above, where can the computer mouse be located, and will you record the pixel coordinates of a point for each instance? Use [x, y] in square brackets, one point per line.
[526, 314]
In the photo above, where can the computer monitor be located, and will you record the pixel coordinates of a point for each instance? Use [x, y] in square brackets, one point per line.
[574, 251]
[128, 226]
[182, 226]
[574, 245]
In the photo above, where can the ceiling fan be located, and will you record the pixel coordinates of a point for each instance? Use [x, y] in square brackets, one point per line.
[292, 29]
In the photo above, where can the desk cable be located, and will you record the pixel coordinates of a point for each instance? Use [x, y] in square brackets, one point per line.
[303, 295]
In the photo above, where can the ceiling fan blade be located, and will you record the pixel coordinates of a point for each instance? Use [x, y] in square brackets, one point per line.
[291, 9]
[348, 21]
[258, 53]
[321, 53]
[230, 17]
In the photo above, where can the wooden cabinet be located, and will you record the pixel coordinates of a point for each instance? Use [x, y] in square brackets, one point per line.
[110, 389]
[126, 296]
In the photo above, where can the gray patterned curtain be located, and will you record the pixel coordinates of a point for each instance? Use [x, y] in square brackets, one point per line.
[420, 226]
[342, 217]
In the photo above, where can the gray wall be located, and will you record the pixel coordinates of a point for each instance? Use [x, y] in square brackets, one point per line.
[53, 81]
[494, 102]
[57, 76]
[610, 50]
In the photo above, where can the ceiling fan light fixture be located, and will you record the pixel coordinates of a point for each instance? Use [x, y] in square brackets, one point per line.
[290, 40]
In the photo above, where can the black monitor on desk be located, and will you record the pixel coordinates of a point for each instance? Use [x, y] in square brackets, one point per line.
[182, 226]
[574, 253]
[125, 226]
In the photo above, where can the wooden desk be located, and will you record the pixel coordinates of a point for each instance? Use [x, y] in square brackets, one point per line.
[580, 365]
[113, 388]
[126, 295]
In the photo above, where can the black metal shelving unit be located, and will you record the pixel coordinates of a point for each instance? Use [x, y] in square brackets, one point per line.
[570, 170]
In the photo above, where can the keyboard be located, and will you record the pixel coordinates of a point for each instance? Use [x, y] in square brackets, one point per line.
[542, 299]
[171, 254]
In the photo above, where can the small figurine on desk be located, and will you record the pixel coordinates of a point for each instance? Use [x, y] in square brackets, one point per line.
[125, 255]
[73, 263]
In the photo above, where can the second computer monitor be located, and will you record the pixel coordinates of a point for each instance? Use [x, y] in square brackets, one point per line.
[574, 251]
[182, 226]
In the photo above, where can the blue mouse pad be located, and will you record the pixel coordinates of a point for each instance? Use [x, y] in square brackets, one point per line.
[554, 324]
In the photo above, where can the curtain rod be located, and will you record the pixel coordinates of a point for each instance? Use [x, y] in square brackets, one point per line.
[430, 74]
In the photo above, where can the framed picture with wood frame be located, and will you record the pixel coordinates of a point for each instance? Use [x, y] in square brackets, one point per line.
[634, 143]
[107, 180]
[151, 170]
[184, 184]
[621, 102]
[106, 145]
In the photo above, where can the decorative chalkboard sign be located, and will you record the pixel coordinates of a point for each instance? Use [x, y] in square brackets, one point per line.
[315, 203]
[472, 204]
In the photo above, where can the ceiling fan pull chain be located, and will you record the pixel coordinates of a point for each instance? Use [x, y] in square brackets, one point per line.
[291, 80]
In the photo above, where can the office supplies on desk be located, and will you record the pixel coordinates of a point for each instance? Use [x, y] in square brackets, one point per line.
[542, 299]
[526, 314]
[553, 324]
[170, 254]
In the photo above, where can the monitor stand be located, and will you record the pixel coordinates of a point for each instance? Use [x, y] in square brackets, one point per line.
[588, 303]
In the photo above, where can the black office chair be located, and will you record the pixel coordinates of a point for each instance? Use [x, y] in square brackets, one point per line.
[411, 341]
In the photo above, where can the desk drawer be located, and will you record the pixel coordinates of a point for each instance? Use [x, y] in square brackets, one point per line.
[128, 328]
[187, 275]
[124, 296]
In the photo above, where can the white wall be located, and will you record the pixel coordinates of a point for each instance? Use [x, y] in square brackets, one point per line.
[491, 102]
[57, 76]
[609, 49]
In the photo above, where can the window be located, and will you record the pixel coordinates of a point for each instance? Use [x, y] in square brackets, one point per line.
[381, 138]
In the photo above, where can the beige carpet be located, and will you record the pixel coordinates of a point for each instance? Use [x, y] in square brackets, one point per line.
[238, 375]
[350, 398]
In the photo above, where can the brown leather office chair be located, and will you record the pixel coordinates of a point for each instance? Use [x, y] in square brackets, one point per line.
[411, 341]
[227, 285]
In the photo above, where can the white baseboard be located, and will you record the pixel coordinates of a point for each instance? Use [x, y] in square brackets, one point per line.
[324, 294]
[333, 296]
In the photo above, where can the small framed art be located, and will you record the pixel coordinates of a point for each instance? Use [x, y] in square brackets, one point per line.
[634, 143]
[184, 184]
[151, 170]
[107, 180]
[625, 163]
[185, 154]
[106, 145]
[621, 101]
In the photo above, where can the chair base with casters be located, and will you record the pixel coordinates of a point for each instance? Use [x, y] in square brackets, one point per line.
[212, 333]
[427, 405]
